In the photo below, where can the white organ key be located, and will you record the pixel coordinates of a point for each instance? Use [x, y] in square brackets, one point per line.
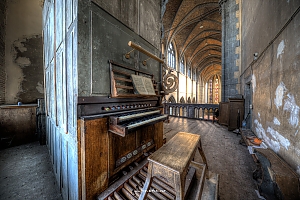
[138, 115]
[146, 121]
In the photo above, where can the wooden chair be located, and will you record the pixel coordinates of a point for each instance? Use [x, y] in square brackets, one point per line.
[170, 163]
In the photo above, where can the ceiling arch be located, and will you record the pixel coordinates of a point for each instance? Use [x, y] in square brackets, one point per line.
[195, 28]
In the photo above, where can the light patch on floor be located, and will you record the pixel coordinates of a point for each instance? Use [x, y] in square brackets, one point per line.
[291, 106]
[280, 48]
[276, 121]
[298, 170]
[296, 132]
[280, 90]
[277, 136]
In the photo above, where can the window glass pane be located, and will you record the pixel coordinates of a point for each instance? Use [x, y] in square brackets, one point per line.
[171, 56]
[182, 66]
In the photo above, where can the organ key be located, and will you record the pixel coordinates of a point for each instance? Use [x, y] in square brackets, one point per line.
[122, 124]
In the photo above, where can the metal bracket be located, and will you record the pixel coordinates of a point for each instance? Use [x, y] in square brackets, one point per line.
[127, 55]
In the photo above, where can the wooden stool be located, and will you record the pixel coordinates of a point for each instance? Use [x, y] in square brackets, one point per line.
[170, 163]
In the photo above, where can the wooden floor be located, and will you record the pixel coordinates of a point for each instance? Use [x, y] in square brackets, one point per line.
[225, 156]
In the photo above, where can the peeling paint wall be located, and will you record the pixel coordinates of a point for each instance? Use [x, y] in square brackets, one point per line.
[268, 28]
[2, 50]
[24, 51]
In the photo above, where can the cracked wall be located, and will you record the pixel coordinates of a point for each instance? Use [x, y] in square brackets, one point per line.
[23, 51]
[268, 29]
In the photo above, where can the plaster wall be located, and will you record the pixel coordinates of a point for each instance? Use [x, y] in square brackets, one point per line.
[189, 89]
[23, 51]
[194, 91]
[269, 29]
[18, 125]
[2, 50]
[182, 86]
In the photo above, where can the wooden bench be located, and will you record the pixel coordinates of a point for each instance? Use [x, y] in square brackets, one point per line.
[278, 179]
[275, 178]
[170, 163]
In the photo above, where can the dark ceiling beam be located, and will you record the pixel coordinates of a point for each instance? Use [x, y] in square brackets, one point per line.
[209, 64]
[206, 77]
[206, 60]
[199, 40]
[190, 12]
[210, 47]
[180, 26]
[200, 69]
[195, 51]
[212, 54]
[192, 41]
[199, 46]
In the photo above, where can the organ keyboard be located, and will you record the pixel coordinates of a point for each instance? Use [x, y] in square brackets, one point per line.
[122, 124]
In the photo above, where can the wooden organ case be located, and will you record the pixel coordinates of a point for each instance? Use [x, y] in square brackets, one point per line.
[116, 131]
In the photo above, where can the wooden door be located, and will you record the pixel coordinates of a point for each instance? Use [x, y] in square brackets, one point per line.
[236, 108]
[223, 113]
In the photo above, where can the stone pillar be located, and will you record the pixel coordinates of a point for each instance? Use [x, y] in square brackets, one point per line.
[230, 50]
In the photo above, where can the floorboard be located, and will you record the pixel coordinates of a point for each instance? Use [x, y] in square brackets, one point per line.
[224, 154]
[26, 170]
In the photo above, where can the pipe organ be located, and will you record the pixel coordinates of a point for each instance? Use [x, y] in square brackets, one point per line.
[117, 130]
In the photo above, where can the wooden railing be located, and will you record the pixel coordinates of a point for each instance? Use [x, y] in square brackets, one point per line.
[192, 111]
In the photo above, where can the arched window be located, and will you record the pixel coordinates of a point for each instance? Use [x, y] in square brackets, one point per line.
[189, 72]
[171, 56]
[216, 90]
[210, 91]
[194, 75]
[182, 68]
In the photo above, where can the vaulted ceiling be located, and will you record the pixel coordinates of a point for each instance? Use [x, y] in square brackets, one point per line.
[194, 26]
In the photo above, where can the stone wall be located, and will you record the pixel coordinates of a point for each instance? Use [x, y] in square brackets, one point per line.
[2, 50]
[270, 58]
[230, 41]
[23, 51]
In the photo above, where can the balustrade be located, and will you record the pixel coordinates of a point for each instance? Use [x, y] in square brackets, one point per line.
[192, 111]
